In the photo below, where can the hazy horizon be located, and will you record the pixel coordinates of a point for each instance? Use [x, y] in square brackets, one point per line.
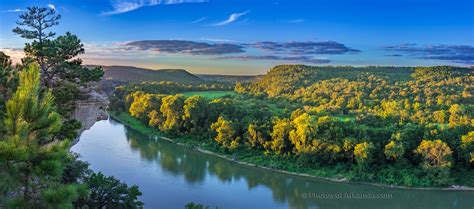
[248, 38]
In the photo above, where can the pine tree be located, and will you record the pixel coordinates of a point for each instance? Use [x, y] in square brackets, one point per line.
[57, 57]
[29, 166]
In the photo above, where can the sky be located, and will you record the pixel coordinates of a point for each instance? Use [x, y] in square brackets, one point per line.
[250, 36]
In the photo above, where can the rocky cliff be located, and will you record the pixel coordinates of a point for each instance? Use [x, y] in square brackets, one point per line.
[91, 108]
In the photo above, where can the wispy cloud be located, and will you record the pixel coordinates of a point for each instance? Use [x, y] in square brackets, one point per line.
[292, 59]
[197, 20]
[123, 6]
[453, 53]
[13, 10]
[295, 21]
[295, 52]
[232, 18]
[218, 40]
[51, 6]
[304, 47]
[184, 47]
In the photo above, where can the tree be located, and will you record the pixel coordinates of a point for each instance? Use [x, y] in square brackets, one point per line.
[172, 110]
[457, 115]
[225, 133]
[280, 136]
[39, 20]
[30, 164]
[435, 153]
[439, 116]
[363, 153]
[109, 192]
[30, 114]
[302, 134]
[142, 105]
[193, 205]
[467, 146]
[57, 58]
[155, 119]
[257, 135]
[8, 77]
[8, 82]
[195, 114]
[394, 150]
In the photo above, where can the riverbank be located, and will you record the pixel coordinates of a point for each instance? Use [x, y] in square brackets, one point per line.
[254, 158]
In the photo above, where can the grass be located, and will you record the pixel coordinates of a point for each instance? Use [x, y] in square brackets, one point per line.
[209, 94]
[132, 122]
[346, 118]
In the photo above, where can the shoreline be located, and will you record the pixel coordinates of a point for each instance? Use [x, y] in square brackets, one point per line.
[384, 186]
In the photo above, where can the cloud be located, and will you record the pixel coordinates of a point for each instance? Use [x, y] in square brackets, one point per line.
[305, 48]
[219, 40]
[218, 49]
[184, 47]
[197, 20]
[296, 21]
[13, 10]
[123, 6]
[52, 6]
[297, 59]
[453, 53]
[232, 18]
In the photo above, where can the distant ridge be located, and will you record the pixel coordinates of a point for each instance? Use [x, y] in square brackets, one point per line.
[128, 74]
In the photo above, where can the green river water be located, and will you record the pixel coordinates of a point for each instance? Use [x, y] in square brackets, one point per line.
[170, 176]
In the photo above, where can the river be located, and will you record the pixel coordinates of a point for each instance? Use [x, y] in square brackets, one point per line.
[170, 176]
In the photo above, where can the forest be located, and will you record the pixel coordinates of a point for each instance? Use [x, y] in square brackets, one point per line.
[393, 125]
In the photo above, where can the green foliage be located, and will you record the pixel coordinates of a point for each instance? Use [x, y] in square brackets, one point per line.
[467, 146]
[208, 94]
[48, 18]
[69, 130]
[172, 110]
[280, 136]
[109, 192]
[363, 153]
[36, 167]
[394, 150]
[301, 136]
[226, 134]
[8, 82]
[193, 205]
[143, 104]
[30, 163]
[195, 114]
[436, 154]
[369, 121]
[61, 70]
[66, 95]
[30, 112]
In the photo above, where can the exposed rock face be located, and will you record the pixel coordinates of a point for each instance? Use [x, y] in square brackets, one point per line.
[90, 109]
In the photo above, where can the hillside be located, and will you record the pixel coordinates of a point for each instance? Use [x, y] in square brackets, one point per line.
[127, 74]
[285, 79]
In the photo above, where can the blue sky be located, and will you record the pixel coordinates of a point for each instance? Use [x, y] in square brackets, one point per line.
[250, 36]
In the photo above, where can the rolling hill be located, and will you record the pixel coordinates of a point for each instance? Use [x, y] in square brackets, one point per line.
[128, 74]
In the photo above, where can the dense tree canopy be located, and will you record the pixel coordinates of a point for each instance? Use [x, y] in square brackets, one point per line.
[363, 119]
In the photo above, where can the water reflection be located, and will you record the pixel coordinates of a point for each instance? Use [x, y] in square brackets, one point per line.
[285, 190]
